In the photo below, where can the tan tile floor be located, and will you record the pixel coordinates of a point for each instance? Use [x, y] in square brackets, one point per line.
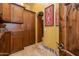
[34, 50]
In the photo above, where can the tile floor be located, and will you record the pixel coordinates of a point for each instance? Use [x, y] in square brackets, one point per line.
[34, 50]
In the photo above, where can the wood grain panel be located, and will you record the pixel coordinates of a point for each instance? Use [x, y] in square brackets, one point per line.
[6, 12]
[16, 13]
[11, 13]
[16, 41]
[5, 44]
[72, 28]
[39, 28]
[29, 28]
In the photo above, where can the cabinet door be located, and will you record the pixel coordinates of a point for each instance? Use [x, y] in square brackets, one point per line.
[69, 28]
[5, 43]
[1, 11]
[16, 13]
[26, 28]
[32, 27]
[17, 41]
[6, 12]
[29, 28]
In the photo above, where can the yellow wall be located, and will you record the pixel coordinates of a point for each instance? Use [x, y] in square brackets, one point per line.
[51, 34]
[29, 6]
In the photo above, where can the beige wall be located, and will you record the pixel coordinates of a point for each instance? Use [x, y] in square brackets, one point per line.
[51, 34]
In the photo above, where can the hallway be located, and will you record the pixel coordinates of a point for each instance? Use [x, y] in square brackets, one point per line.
[34, 50]
[22, 27]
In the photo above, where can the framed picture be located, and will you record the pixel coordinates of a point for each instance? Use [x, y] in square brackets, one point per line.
[49, 15]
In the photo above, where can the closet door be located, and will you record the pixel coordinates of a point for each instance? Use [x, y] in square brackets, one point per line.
[32, 27]
[62, 28]
[29, 28]
[71, 39]
[73, 33]
[26, 28]
[71, 27]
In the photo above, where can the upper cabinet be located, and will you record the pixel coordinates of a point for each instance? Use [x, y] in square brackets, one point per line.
[10, 12]
[16, 13]
[5, 12]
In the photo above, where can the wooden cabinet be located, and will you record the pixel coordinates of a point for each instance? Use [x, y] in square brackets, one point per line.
[11, 13]
[5, 43]
[16, 41]
[5, 11]
[16, 13]
[11, 42]
[29, 27]
[32, 27]
[18, 37]
[69, 27]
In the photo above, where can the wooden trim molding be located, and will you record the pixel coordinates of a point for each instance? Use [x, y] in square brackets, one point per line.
[67, 52]
[29, 10]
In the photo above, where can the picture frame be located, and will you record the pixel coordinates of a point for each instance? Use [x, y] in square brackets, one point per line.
[49, 15]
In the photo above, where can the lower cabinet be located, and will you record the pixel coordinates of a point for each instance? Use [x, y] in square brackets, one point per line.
[11, 42]
[5, 43]
[16, 41]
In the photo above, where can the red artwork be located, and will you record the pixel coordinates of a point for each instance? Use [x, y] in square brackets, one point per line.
[49, 15]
